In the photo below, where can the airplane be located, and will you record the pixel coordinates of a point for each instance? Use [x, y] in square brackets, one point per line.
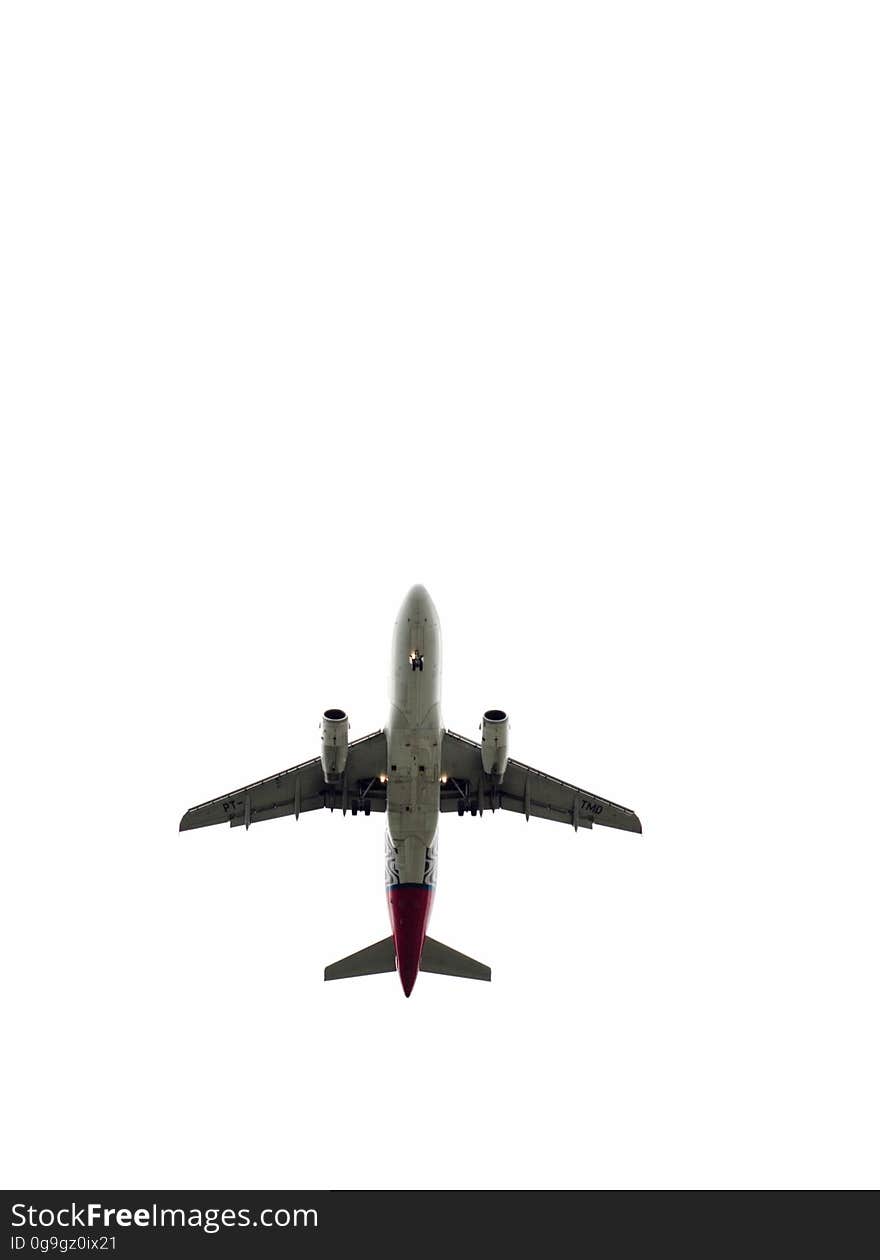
[412, 771]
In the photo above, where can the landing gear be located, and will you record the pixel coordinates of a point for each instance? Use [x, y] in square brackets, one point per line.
[416, 660]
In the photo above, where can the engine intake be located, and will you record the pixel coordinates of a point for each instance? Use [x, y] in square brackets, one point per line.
[334, 744]
[494, 746]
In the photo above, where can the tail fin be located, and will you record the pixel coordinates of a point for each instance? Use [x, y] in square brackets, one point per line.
[444, 961]
[366, 962]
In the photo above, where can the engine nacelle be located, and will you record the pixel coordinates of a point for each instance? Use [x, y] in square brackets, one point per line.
[494, 748]
[334, 744]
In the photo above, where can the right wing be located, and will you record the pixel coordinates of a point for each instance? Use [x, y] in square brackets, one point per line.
[302, 788]
[523, 790]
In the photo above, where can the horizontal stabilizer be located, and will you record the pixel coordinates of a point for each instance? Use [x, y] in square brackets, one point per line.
[366, 962]
[444, 961]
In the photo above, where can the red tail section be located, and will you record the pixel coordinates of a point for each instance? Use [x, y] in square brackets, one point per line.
[410, 906]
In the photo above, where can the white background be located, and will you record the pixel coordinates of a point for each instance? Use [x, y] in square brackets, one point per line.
[570, 313]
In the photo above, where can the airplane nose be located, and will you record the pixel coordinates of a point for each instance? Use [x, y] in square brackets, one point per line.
[418, 605]
[410, 907]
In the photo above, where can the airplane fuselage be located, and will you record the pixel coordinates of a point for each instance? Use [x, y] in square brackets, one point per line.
[415, 735]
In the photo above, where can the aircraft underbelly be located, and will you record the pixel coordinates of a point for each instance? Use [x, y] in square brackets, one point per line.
[414, 735]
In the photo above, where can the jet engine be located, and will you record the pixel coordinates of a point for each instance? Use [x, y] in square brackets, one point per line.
[334, 744]
[494, 749]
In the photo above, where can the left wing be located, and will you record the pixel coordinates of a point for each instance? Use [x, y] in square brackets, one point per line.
[522, 790]
[302, 788]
